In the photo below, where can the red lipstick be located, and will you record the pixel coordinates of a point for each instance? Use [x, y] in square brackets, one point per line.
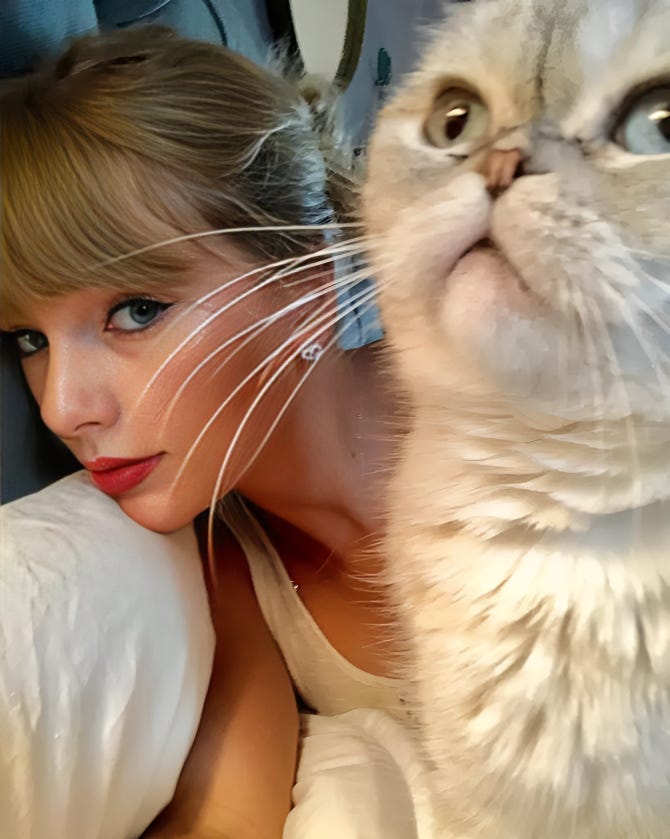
[115, 475]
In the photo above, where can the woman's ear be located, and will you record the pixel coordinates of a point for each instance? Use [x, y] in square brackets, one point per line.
[312, 325]
[306, 346]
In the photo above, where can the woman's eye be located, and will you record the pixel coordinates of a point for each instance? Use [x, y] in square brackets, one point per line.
[133, 315]
[458, 116]
[645, 126]
[29, 341]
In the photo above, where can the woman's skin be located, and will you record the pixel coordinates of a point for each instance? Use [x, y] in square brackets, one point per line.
[317, 483]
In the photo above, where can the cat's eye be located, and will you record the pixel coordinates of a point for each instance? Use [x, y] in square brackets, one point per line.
[645, 125]
[457, 117]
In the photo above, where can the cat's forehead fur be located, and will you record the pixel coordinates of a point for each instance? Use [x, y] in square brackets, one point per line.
[565, 69]
[564, 85]
[532, 55]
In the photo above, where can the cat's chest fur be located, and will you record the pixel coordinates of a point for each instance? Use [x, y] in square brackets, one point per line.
[517, 202]
[541, 669]
[542, 675]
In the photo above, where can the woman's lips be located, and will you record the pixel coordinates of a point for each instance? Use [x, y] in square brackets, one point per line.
[115, 475]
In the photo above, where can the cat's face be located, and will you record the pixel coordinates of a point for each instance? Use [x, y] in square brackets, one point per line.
[550, 293]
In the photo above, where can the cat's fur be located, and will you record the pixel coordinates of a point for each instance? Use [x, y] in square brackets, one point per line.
[529, 536]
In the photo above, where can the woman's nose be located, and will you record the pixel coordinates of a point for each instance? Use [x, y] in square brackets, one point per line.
[76, 395]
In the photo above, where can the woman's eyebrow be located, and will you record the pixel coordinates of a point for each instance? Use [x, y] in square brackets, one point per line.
[14, 321]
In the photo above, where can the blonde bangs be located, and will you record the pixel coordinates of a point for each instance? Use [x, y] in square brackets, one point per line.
[78, 213]
[135, 138]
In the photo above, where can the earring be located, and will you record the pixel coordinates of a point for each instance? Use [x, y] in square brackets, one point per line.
[312, 352]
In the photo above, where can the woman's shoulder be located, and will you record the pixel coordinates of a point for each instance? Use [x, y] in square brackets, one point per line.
[245, 750]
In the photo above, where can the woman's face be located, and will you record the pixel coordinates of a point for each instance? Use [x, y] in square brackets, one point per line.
[100, 366]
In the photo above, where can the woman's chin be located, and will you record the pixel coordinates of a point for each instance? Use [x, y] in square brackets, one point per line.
[157, 512]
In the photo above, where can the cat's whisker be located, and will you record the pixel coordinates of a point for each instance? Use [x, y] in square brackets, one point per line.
[661, 284]
[307, 330]
[363, 299]
[222, 231]
[582, 311]
[288, 266]
[663, 383]
[333, 315]
[252, 332]
[656, 365]
[563, 356]
[655, 317]
[651, 353]
[653, 257]
[616, 370]
[256, 402]
[220, 311]
[336, 284]
[592, 322]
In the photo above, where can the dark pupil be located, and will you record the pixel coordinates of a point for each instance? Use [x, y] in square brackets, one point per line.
[35, 339]
[456, 120]
[143, 311]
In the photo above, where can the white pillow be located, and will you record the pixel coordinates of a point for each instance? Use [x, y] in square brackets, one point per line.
[106, 650]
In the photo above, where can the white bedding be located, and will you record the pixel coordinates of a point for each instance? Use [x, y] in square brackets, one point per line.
[105, 655]
[359, 777]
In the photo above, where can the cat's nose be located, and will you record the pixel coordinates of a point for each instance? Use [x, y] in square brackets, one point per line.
[501, 167]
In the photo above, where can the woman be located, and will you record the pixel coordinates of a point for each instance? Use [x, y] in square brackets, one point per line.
[178, 367]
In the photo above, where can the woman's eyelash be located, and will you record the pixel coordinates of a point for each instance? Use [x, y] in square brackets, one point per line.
[135, 314]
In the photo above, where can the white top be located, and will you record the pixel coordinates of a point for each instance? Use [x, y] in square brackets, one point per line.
[325, 679]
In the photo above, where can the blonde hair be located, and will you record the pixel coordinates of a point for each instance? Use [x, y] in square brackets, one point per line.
[136, 137]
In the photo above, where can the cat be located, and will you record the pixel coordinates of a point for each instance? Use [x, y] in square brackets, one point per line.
[517, 206]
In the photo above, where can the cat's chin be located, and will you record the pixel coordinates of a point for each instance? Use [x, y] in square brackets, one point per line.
[492, 319]
[484, 273]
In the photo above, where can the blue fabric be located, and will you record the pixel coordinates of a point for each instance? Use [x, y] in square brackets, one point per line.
[360, 323]
[125, 12]
[32, 29]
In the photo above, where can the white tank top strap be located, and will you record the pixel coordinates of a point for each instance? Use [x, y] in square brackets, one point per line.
[325, 679]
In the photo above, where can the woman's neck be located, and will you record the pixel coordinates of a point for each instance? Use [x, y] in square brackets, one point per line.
[323, 470]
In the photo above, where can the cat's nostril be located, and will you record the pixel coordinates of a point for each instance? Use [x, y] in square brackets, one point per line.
[501, 168]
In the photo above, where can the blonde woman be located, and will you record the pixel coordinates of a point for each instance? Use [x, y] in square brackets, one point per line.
[178, 367]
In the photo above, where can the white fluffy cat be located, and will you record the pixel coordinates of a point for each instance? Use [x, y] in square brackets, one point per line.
[519, 203]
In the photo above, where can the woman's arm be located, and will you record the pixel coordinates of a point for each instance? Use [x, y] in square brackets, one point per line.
[237, 780]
